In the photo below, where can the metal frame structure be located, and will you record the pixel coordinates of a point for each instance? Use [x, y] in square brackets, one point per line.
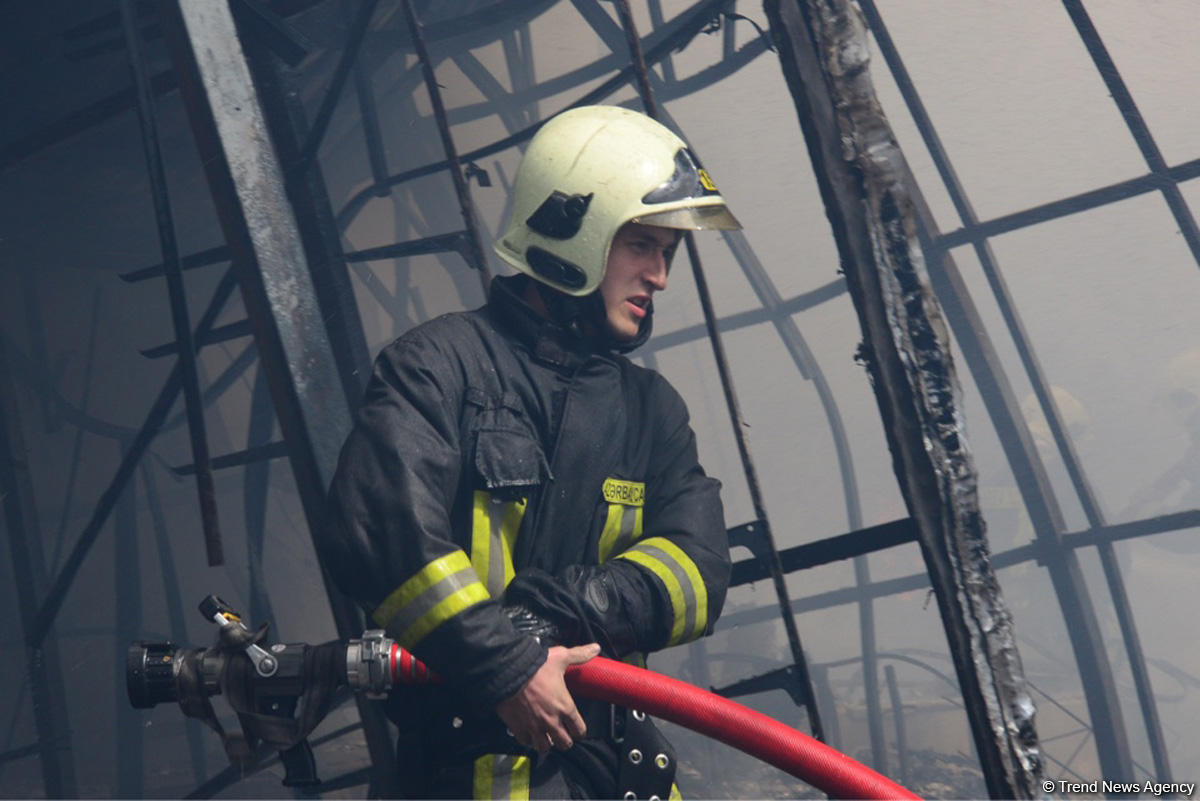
[317, 264]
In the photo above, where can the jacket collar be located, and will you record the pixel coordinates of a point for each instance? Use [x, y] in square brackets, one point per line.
[550, 340]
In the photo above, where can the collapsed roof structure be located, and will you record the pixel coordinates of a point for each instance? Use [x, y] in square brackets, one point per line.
[953, 351]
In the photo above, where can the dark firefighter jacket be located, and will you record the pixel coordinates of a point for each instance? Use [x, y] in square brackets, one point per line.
[492, 444]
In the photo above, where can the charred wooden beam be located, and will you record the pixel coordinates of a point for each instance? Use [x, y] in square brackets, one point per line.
[906, 349]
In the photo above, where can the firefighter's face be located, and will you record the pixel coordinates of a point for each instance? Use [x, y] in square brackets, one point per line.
[638, 262]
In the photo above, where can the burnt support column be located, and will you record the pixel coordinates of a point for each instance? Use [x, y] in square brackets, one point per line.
[906, 349]
[260, 226]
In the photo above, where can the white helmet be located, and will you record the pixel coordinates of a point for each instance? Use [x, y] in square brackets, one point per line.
[587, 172]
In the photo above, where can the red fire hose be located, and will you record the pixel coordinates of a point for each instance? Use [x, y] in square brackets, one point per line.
[762, 737]
[731, 723]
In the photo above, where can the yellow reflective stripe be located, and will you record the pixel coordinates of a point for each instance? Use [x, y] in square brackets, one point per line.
[434, 572]
[685, 587]
[622, 528]
[482, 786]
[481, 538]
[439, 591]
[445, 609]
[636, 658]
[501, 776]
[514, 513]
[520, 779]
[612, 530]
[494, 527]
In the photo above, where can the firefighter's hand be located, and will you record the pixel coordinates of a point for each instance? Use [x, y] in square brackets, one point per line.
[542, 714]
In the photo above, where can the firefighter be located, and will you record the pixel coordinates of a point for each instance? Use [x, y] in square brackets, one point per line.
[516, 496]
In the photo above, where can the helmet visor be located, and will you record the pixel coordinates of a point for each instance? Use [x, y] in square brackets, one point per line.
[716, 217]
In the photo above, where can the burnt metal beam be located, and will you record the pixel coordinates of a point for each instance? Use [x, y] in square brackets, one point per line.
[311, 393]
[153, 423]
[79, 121]
[475, 254]
[682, 30]
[814, 554]
[1149, 149]
[1003, 559]
[304, 185]
[176, 292]
[223, 333]
[349, 57]
[256, 17]
[898, 716]
[1025, 459]
[44, 666]
[1056, 209]
[77, 448]
[750, 317]
[129, 740]
[455, 241]
[172, 598]
[372, 132]
[256, 453]
[906, 349]
[202, 258]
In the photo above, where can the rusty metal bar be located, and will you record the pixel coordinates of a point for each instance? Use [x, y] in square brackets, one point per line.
[264, 452]
[308, 195]
[177, 624]
[1119, 92]
[256, 490]
[349, 57]
[376, 153]
[1037, 378]
[455, 241]
[202, 258]
[77, 448]
[223, 333]
[731, 401]
[129, 740]
[37, 346]
[176, 292]
[824, 52]
[787, 307]
[477, 259]
[1013, 556]
[682, 32]
[889, 673]
[822, 552]
[807, 364]
[145, 435]
[1056, 209]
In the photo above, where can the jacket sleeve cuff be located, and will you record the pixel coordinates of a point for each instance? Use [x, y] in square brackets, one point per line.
[527, 657]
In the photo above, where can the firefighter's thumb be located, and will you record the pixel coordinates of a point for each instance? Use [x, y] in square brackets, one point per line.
[581, 653]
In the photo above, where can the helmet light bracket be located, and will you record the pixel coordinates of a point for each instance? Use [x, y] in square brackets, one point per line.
[560, 216]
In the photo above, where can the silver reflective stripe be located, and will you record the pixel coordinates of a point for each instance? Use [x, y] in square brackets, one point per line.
[495, 573]
[424, 603]
[684, 580]
[501, 776]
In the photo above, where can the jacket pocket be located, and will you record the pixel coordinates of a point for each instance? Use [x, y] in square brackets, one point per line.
[506, 459]
[510, 465]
